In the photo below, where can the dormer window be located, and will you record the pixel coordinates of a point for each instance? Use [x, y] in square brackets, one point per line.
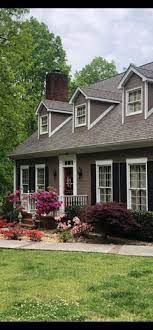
[80, 115]
[44, 124]
[134, 101]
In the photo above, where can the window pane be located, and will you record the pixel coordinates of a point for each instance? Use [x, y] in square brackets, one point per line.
[25, 188]
[40, 178]
[44, 120]
[138, 186]
[80, 115]
[105, 195]
[134, 101]
[105, 176]
[138, 199]
[25, 176]
[44, 128]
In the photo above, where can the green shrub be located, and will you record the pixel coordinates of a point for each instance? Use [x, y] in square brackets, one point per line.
[145, 221]
[65, 236]
[8, 209]
[73, 211]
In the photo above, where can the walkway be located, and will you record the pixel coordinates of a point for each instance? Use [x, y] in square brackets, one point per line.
[131, 250]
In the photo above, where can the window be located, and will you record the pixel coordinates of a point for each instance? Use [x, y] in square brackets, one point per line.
[43, 124]
[40, 177]
[137, 186]
[80, 115]
[134, 101]
[104, 181]
[24, 174]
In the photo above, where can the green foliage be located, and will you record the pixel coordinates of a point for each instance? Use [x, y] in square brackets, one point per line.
[97, 69]
[65, 236]
[78, 286]
[27, 51]
[73, 211]
[145, 221]
[9, 211]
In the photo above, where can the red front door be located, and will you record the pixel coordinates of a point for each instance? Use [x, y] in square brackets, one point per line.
[68, 180]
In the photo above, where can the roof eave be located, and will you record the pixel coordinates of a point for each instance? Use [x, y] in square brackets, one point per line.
[130, 69]
[86, 149]
[76, 93]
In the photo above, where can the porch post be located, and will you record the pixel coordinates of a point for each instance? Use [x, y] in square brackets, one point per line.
[14, 176]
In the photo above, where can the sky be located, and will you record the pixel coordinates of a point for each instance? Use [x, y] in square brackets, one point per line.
[124, 35]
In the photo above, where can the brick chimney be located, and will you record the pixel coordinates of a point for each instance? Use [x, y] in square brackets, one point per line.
[57, 86]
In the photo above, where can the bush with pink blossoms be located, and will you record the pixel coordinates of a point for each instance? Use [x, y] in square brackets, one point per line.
[46, 202]
[80, 228]
[75, 229]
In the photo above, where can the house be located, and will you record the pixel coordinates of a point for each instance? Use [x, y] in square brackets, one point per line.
[96, 147]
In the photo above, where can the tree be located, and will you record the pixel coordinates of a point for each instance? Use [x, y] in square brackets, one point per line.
[27, 51]
[97, 69]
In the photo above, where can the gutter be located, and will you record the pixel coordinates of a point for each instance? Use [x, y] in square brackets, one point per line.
[87, 148]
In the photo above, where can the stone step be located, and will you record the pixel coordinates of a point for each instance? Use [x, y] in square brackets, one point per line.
[26, 226]
[27, 220]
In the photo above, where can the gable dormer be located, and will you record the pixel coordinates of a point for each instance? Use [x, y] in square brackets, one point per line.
[137, 98]
[90, 105]
[55, 111]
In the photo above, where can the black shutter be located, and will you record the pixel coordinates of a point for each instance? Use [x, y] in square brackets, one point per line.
[46, 177]
[115, 182]
[123, 183]
[17, 176]
[93, 184]
[32, 178]
[150, 185]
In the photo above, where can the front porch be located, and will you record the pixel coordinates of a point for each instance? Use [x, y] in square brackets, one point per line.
[28, 202]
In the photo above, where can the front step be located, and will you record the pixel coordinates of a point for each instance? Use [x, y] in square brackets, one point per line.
[26, 226]
[26, 221]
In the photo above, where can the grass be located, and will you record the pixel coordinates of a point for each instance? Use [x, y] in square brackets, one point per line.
[74, 286]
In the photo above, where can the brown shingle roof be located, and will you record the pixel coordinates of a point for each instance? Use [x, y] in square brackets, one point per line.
[58, 105]
[102, 93]
[108, 131]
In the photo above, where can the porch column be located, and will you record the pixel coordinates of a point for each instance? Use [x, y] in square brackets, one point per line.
[14, 176]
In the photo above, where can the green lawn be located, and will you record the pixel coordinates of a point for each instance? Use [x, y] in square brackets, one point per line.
[74, 286]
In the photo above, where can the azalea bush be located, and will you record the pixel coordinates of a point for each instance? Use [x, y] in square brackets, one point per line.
[34, 235]
[12, 233]
[80, 229]
[68, 230]
[46, 202]
[11, 205]
[5, 224]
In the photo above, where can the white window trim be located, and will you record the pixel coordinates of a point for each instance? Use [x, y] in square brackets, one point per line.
[103, 163]
[62, 160]
[127, 93]
[76, 107]
[36, 168]
[23, 167]
[133, 161]
[41, 124]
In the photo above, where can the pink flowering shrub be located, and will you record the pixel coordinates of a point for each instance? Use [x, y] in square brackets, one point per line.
[80, 228]
[14, 197]
[46, 202]
[75, 229]
[12, 205]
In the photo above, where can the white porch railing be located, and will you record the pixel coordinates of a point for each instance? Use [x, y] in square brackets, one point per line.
[68, 200]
